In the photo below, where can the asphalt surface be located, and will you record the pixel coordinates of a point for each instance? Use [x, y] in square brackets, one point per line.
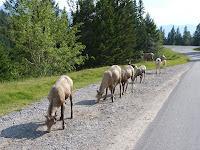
[177, 124]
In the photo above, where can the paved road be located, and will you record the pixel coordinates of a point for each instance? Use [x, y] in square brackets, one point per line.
[177, 124]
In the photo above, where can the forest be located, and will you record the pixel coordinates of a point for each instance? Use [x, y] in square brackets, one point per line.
[38, 39]
[175, 37]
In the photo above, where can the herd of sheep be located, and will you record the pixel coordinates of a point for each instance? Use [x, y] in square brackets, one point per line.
[63, 88]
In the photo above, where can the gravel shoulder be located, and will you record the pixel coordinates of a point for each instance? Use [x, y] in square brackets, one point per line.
[103, 125]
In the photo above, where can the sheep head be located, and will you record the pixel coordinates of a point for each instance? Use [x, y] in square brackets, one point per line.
[99, 95]
[50, 121]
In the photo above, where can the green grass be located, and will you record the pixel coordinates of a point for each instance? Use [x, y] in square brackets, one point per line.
[16, 94]
[197, 49]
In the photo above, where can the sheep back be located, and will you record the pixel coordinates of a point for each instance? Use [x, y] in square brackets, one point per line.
[61, 90]
[116, 73]
[138, 72]
[127, 72]
[143, 68]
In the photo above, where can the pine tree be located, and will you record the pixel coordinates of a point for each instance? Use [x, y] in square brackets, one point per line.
[141, 11]
[171, 37]
[84, 14]
[151, 31]
[178, 37]
[186, 37]
[111, 31]
[5, 66]
[141, 28]
[196, 36]
[163, 34]
[44, 44]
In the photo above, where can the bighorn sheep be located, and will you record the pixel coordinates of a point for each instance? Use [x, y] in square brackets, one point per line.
[59, 92]
[158, 64]
[163, 58]
[147, 55]
[127, 72]
[110, 79]
[141, 71]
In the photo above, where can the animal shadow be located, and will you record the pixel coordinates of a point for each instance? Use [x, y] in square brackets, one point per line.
[23, 131]
[86, 102]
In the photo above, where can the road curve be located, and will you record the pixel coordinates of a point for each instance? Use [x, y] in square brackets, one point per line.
[176, 126]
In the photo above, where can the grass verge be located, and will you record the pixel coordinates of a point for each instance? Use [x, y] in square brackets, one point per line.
[16, 94]
[197, 49]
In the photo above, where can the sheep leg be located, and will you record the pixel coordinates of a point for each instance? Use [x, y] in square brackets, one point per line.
[120, 86]
[156, 69]
[159, 69]
[126, 86]
[111, 90]
[61, 117]
[106, 94]
[55, 115]
[141, 78]
[132, 85]
[71, 106]
[62, 114]
[123, 84]
[114, 89]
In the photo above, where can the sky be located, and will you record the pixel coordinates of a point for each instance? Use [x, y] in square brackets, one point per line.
[165, 12]
[177, 12]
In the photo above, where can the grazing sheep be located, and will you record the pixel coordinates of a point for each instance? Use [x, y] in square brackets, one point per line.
[127, 72]
[158, 64]
[163, 58]
[141, 71]
[147, 55]
[164, 64]
[59, 92]
[110, 79]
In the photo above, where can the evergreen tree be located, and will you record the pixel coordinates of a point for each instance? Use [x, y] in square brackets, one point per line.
[6, 66]
[44, 44]
[171, 37]
[178, 37]
[125, 26]
[141, 28]
[163, 34]
[196, 37]
[151, 31]
[85, 14]
[186, 37]
[141, 10]
[111, 31]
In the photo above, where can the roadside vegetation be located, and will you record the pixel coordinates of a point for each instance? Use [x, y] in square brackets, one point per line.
[16, 94]
[197, 49]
